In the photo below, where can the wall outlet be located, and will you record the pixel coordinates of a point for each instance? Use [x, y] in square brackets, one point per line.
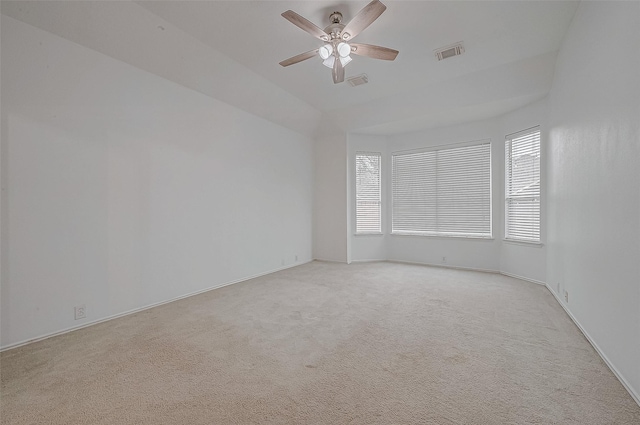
[566, 296]
[296, 258]
[79, 312]
[444, 259]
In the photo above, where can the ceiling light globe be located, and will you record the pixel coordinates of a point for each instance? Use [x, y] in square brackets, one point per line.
[325, 51]
[328, 62]
[345, 60]
[344, 50]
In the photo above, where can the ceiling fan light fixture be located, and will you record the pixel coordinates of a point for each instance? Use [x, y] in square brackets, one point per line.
[337, 38]
[328, 62]
[325, 51]
[344, 50]
[345, 60]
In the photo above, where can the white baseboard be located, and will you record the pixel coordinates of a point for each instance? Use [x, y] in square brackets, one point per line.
[329, 261]
[446, 266]
[368, 261]
[476, 269]
[539, 282]
[146, 307]
[595, 346]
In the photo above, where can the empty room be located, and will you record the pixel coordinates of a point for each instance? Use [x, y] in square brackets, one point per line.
[320, 212]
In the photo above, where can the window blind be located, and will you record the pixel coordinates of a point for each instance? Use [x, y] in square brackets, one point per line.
[368, 193]
[522, 181]
[444, 192]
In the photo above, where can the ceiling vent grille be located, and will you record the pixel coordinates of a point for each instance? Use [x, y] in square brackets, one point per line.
[450, 51]
[358, 80]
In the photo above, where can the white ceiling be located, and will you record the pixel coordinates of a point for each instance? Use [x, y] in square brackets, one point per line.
[230, 50]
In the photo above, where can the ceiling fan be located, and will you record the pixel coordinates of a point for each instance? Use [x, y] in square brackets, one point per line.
[336, 52]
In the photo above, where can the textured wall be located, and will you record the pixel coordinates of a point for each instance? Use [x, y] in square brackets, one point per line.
[330, 198]
[122, 189]
[594, 179]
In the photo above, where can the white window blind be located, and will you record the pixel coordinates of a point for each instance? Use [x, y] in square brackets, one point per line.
[522, 181]
[368, 193]
[444, 192]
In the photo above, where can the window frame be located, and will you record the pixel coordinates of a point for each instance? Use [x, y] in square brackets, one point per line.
[357, 201]
[508, 197]
[447, 235]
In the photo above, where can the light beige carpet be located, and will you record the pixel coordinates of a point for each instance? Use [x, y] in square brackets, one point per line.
[322, 343]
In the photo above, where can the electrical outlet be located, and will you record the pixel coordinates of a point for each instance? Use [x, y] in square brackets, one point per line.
[566, 296]
[444, 259]
[80, 312]
[296, 258]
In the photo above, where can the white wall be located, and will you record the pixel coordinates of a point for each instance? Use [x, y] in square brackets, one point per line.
[594, 180]
[122, 189]
[330, 242]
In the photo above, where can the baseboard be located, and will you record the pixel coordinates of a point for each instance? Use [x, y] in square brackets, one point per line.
[625, 384]
[475, 269]
[139, 309]
[446, 266]
[368, 261]
[524, 278]
[329, 261]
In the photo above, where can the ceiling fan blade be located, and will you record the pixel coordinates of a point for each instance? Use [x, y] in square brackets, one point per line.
[299, 58]
[305, 25]
[363, 19]
[338, 72]
[376, 52]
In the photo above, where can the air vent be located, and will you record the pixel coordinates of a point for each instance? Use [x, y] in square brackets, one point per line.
[450, 51]
[358, 80]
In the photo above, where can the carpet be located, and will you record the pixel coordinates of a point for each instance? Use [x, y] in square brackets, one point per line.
[325, 343]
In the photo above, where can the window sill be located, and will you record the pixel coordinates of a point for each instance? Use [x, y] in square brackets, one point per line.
[369, 234]
[523, 243]
[421, 235]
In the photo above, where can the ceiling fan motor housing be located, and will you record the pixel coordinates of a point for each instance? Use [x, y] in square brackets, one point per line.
[334, 30]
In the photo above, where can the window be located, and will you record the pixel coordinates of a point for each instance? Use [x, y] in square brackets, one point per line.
[368, 193]
[443, 192]
[522, 186]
